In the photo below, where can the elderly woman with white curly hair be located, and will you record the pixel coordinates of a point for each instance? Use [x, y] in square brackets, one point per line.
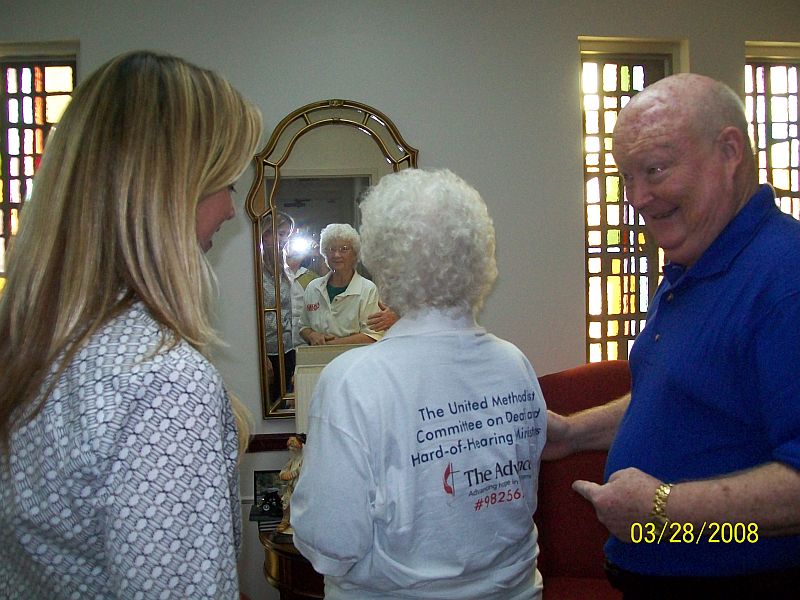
[427, 444]
[338, 305]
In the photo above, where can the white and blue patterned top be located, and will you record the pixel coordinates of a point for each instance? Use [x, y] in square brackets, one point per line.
[125, 484]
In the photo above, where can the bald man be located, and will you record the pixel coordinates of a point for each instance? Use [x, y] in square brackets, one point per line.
[702, 490]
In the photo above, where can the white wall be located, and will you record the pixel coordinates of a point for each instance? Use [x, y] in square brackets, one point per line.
[488, 89]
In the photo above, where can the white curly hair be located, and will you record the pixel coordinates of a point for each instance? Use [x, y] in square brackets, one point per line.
[428, 241]
[339, 232]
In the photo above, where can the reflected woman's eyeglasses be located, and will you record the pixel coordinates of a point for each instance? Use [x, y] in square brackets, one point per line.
[338, 249]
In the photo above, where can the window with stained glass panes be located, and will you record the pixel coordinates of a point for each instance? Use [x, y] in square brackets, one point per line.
[34, 94]
[623, 265]
[771, 103]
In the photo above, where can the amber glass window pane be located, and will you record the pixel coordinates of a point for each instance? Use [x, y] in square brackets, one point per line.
[771, 103]
[622, 266]
[33, 95]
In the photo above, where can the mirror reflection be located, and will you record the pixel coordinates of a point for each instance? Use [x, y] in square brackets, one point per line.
[336, 307]
[269, 272]
[312, 174]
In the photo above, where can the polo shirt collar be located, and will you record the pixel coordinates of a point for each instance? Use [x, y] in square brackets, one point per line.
[733, 239]
[353, 288]
[294, 274]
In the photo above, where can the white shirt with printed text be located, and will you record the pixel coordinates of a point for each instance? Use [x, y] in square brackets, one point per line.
[421, 467]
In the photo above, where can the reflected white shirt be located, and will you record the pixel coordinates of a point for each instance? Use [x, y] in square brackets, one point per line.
[348, 312]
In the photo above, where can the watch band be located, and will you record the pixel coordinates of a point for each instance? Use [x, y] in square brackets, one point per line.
[659, 512]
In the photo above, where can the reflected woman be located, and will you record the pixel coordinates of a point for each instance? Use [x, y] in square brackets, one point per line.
[285, 226]
[337, 305]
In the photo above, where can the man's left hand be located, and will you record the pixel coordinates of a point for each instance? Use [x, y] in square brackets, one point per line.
[627, 498]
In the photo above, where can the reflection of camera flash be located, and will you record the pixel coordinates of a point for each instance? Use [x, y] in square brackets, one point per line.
[299, 245]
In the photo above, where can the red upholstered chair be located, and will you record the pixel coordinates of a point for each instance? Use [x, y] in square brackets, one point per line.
[570, 537]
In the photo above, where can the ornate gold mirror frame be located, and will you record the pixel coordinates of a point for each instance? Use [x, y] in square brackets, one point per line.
[262, 208]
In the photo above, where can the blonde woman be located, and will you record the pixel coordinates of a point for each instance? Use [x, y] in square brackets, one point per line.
[284, 231]
[119, 440]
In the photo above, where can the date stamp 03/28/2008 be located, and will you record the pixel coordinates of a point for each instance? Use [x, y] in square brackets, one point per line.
[712, 532]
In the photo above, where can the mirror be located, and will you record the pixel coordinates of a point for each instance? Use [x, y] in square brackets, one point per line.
[317, 164]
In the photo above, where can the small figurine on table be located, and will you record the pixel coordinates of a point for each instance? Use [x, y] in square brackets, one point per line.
[289, 474]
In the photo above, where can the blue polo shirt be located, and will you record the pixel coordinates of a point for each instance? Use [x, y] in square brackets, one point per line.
[716, 383]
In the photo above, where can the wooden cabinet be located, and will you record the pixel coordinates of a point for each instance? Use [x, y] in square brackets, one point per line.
[288, 570]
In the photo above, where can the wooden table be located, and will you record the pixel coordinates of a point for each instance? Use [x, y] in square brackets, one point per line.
[288, 570]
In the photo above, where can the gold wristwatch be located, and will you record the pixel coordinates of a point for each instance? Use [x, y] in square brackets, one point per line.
[659, 513]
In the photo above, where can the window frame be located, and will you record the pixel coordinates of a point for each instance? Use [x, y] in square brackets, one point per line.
[25, 164]
[609, 335]
[765, 55]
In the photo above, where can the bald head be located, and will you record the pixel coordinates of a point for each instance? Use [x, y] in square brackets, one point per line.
[694, 103]
[683, 149]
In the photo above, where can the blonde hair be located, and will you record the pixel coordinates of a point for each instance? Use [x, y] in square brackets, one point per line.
[112, 219]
